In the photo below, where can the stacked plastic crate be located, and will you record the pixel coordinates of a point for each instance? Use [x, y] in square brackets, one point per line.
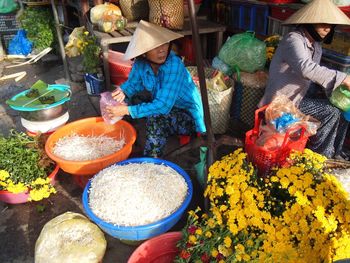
[280, 11]
[337, 54]
[8, 28]
[242, 15]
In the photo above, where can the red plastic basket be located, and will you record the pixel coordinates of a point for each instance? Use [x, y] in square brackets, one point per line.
[264, 159]
[119, 68]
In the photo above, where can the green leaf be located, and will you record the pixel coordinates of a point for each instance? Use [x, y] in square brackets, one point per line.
[21, 99]
[40, 208]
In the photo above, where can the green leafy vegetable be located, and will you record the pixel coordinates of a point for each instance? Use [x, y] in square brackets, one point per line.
[24, 157]
[39, 24]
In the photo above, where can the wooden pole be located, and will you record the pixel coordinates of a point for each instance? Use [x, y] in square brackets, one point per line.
[203, 87]
[60, 40]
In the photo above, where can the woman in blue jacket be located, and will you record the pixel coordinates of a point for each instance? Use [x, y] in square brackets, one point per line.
[175, 107]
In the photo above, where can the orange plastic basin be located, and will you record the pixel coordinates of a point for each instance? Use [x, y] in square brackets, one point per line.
[92, 126]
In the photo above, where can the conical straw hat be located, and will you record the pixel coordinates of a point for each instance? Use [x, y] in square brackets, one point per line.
[319, 12]
[146, 37]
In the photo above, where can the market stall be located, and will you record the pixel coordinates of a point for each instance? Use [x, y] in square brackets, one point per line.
[263, 196]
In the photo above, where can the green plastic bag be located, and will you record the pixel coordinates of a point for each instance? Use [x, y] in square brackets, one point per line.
[341, 98]
[244, 51]
[201, 167]
[7, 6]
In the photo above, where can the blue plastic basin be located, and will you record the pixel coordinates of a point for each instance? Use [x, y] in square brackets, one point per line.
[143, 232]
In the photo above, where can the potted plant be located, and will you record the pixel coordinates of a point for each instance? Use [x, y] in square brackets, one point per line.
[83, 46]
[26, 173]
[91, 52]
[299, 213]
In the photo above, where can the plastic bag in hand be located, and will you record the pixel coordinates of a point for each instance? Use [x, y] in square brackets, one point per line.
[107, 100]
[341, 98]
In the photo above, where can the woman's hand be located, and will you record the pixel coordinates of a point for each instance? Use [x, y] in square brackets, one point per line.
[346, 82]
[117, 111]
[118, 95]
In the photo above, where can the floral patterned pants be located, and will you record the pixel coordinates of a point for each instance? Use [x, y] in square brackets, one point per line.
[331, 134]
[160, 127]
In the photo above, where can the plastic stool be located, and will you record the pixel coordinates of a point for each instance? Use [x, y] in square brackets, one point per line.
[185, 139]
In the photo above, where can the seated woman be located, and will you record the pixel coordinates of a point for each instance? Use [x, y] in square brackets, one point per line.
[296, 65]
[176, 106]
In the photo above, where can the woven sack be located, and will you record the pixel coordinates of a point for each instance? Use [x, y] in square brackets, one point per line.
[134, 9]
[253, 88]
[169, 14]
[219, 101]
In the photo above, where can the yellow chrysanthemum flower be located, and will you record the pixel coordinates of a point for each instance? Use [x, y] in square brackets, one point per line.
[227, 241]
[214, 253]
[4, 175]
[192, 239]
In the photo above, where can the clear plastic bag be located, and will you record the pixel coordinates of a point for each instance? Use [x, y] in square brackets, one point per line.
[70, 237]
[107, 100]
[269, 138]
[283, 115]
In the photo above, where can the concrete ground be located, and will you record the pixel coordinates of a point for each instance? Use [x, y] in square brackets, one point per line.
[21, 224]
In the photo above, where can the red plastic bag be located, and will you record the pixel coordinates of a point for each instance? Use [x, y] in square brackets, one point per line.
[107, 100]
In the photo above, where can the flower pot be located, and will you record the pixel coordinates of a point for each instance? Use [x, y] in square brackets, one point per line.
[94, 83]
[20, 198]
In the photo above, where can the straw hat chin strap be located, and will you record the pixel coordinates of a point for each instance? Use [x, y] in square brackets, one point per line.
[316, 37]
[155, 63]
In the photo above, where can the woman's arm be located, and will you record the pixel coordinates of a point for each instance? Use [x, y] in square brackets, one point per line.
[171, 77]
[133, 84]
[299, 58]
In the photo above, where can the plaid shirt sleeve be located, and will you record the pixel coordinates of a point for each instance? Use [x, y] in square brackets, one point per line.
[134, 83]
[170, 77]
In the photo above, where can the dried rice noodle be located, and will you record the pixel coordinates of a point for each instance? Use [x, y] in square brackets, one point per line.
[136, 193]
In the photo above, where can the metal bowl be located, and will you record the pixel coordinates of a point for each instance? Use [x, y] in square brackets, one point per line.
[45, 114]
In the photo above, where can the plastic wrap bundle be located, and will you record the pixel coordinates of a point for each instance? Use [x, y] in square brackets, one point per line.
[221, 66]
[70, 237]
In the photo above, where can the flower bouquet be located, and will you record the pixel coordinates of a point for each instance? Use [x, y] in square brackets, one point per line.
[271, 46]
[299, 213]
[81, 42]
[24, 169]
